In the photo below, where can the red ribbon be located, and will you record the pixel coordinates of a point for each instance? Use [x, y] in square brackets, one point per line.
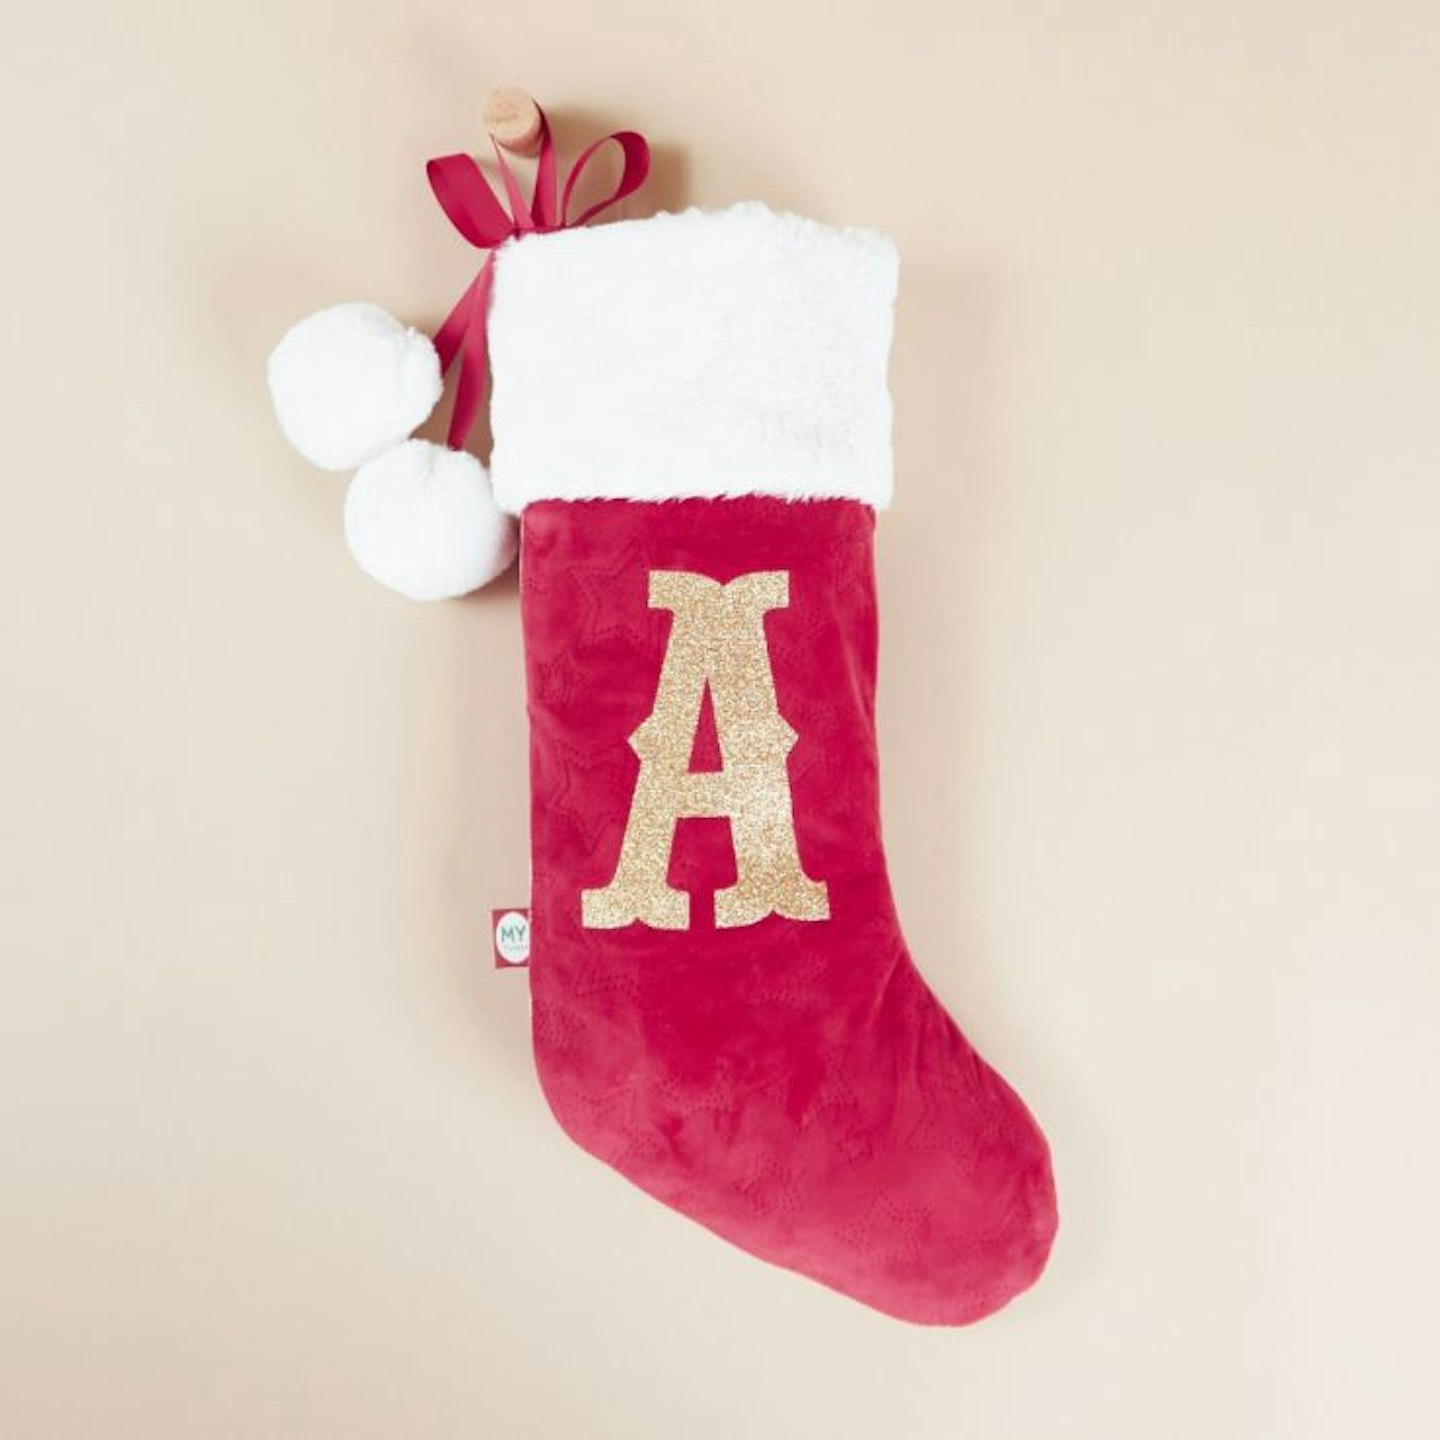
[477, 213]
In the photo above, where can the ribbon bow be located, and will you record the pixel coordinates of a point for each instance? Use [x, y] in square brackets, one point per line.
[477, 213]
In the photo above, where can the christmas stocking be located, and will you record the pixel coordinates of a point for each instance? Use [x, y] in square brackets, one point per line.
[692, 422]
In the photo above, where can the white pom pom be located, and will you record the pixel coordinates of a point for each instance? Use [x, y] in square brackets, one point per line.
[352, 381]
[421, 519]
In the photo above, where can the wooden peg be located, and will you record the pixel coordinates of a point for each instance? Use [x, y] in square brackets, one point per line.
[513, 119]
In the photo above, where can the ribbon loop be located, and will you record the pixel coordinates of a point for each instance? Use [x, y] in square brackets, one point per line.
[473, 208]
[468, 201]
[632, 174]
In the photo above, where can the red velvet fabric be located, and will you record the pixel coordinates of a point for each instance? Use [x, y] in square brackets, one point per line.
[792, 1085]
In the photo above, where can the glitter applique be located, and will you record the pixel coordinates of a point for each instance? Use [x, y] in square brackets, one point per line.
[717, 641]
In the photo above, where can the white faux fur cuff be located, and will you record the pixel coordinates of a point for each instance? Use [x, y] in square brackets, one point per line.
[738, 352]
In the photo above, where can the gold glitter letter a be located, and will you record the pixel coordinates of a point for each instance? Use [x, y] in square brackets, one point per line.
[718, 638]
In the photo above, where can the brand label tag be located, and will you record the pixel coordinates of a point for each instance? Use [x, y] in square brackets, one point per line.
[510, 931]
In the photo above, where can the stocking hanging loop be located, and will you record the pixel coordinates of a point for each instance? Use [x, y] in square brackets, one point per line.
[477, 213]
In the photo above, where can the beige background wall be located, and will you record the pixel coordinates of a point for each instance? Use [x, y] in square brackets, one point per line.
[1160, 714]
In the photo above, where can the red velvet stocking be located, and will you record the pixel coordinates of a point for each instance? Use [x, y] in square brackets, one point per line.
[725, 1010]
